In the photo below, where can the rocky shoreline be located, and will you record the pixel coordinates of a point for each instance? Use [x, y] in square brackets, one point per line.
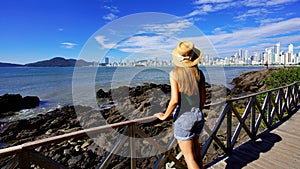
[250, 82]
[115, 105]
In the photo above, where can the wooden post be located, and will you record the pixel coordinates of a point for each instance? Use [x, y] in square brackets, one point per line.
[24, 160]
[253, 117]
[132, 147]
[229, 126]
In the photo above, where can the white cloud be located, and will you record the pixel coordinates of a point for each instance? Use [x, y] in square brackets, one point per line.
[219, 31]
[254, 3]
[110, 17]
[149, 38]
[168, 28]
[278, 2]
[211, 1]
[155, 37]
[142, 46]
[265, 3]
[204, 7]
[297, 47]
[111, 12]
[102, 41]
[68, 45]
[258, 38]
[142, 43]
[251, 13]
[270, 20]
[112, 9]
[207, 8]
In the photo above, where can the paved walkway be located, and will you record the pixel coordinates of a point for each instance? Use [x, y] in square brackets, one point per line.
[279, 148]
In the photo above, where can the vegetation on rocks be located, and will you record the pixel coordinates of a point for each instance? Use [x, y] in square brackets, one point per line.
[282, 77]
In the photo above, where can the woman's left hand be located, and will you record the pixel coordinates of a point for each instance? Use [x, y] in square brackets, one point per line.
[160, 116]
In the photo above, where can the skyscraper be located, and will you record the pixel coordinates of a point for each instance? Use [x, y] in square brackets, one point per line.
[246, 58]
[291, 57]
[277, 52]
[291, 48]
[240, 53]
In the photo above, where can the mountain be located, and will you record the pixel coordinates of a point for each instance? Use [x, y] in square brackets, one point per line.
[60, 62]
[54, 62]
[9, 65]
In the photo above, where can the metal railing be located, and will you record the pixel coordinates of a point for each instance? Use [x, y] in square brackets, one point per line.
[261, 111]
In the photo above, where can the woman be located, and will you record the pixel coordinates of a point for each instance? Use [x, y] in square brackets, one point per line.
[187, 100]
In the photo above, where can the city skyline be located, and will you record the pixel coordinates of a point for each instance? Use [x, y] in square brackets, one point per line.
[33, 30]
[272, 55]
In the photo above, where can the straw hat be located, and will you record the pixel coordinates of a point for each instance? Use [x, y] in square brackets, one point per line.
[186, 55]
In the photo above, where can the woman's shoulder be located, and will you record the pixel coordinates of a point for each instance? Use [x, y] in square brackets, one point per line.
[172, 74]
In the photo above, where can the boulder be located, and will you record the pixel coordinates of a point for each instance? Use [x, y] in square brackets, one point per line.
[15, 102]
[10, 102]
[30, 102]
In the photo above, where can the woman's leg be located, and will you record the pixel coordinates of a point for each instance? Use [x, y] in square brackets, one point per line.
[186, 147]
[197, 151]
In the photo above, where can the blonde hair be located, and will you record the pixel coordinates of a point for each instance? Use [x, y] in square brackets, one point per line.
[187, 79]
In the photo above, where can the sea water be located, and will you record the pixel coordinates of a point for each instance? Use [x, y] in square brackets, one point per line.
[55, 85]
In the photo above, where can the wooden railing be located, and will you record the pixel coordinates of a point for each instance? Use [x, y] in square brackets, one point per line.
[260, 111]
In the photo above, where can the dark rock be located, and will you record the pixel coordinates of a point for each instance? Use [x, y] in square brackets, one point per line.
[102, 94]
[74, 160]
[30, 102]
[10, 102]
[14, 102]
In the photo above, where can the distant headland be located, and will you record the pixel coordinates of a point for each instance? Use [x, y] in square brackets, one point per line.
[54, 62]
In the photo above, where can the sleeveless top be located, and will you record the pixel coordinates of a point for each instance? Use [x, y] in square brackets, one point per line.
[186, 103]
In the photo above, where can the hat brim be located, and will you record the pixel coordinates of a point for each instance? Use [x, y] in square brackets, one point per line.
[196, 57]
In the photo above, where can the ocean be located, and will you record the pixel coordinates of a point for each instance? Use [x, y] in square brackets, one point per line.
[60, 86]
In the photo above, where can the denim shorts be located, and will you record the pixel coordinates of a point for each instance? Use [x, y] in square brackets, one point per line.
[189, 124]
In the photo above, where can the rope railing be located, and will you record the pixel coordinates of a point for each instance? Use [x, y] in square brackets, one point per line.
[259, 113]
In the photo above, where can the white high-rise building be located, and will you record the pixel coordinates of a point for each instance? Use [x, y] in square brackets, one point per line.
[277, 53]
[291, 57]
[268, 56]
[246, 58]
[298, 58]
[246, 53]
[240, 53]
[291, 48]
[256, 58]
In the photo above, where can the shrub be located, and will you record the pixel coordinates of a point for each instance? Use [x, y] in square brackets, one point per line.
[282, 77]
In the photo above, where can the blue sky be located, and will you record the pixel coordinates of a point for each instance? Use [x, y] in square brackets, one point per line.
[34, 30]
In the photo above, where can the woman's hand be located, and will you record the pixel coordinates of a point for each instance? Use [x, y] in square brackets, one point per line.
[160, 116]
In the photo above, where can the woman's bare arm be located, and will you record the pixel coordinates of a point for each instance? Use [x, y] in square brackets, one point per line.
[173, 101]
